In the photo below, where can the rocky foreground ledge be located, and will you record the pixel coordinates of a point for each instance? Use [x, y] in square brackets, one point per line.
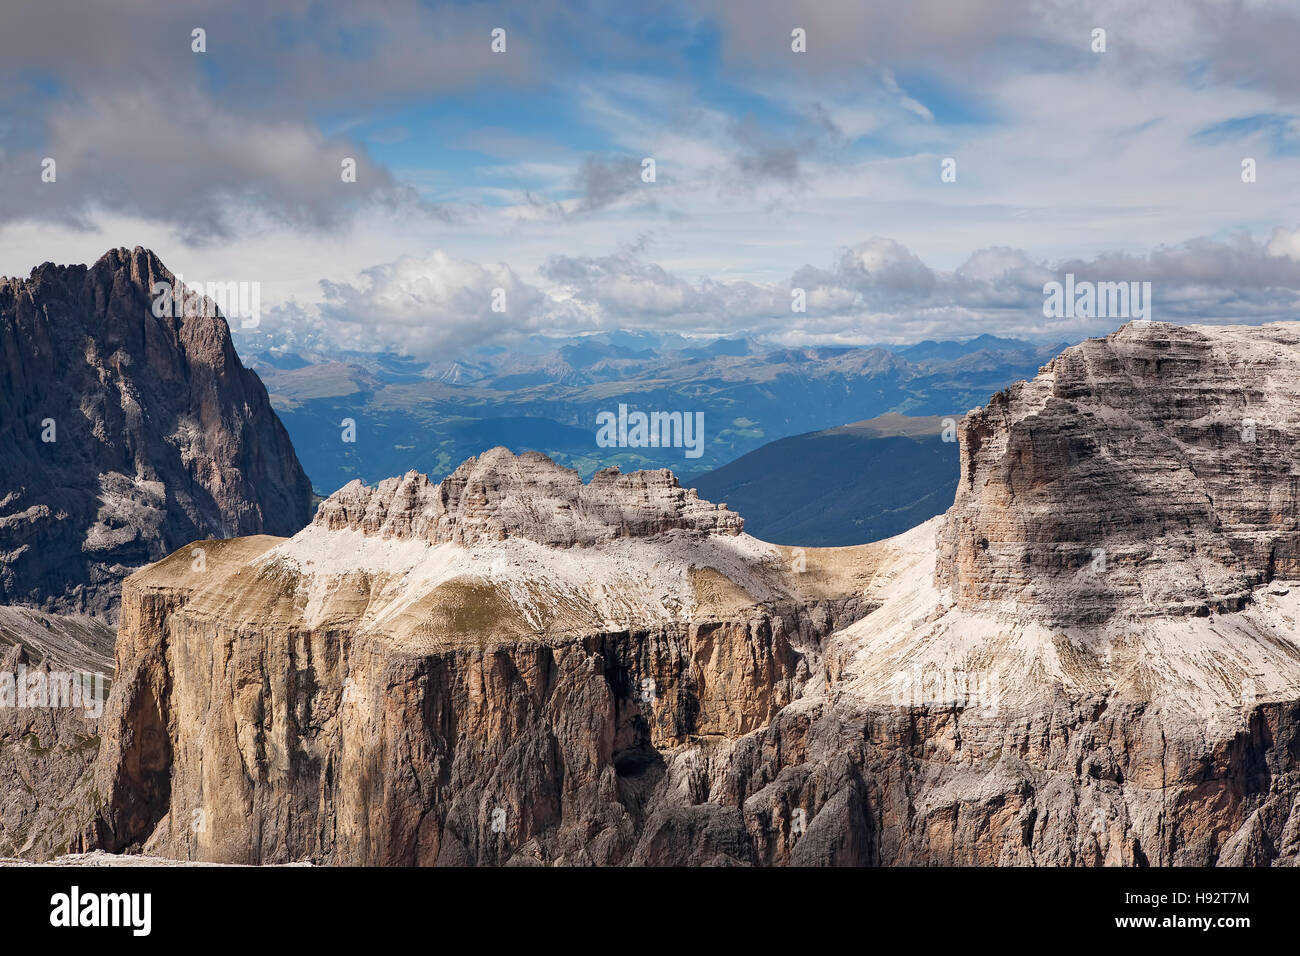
[511, 667]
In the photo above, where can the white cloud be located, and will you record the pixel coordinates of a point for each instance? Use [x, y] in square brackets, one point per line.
[426, 306]
[1284, 242]
[774, 162]
[875, 291]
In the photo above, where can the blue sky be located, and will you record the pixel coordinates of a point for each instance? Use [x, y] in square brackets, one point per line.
[775, 169]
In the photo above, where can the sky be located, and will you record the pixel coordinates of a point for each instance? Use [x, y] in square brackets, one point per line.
[517, 178]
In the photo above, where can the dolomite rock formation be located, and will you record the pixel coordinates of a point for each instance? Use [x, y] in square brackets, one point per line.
[68, 641]
[407, 670]
[499, 496]
[1152, 472]
[126, 435]
[47, 754]
[513, 668]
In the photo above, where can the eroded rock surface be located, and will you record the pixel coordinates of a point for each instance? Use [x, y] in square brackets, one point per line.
[126, 435]
[500, 495]
[517, 669]
[1164, 454]
[49, 740]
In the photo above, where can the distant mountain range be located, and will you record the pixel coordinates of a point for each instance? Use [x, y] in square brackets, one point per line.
[842, 486]
[546, 396]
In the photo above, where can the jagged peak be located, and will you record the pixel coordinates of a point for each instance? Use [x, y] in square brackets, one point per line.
[139, 262]
[498, 495]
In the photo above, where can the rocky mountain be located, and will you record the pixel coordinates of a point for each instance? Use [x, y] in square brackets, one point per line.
[1167, 458]
[501, 496]
[547, 398]
[424, 660]
[126, 434]
[841, 486]
[512, 667]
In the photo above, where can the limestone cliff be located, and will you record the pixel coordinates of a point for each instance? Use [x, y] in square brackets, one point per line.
[1151, 472]
[411, 680]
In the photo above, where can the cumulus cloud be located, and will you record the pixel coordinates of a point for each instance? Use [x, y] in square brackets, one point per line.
[1000, 290]
[875, 291]
[624, 290]
[1284, 242]
[218, 142]
[428, 306]
[180, 159]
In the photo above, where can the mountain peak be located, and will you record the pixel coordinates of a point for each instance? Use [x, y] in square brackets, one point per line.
[1150, 472]
[499, 495]
[129, 433]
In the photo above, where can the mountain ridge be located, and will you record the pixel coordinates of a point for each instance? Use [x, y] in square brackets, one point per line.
[516, 667]
[749, 397]
[842, 486]
[687, 697]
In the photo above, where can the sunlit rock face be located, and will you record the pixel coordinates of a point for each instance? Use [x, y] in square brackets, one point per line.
[492, 669]
[499, 495]
[1152, 472]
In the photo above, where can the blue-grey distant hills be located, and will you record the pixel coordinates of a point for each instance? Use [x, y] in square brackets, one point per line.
[847, 485]
[547, 395]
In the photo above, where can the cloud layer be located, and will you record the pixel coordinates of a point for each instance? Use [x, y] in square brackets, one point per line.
[773, 168]
[876, 291]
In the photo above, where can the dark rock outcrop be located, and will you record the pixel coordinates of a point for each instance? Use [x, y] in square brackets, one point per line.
[126, 435]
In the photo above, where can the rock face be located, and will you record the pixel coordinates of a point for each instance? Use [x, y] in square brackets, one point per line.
[126, 435]
[409, 681]
[1152, 472]
[49, 738]
[498, 496]
[510, 668]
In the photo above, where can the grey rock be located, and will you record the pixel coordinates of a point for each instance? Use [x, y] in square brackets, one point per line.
[161, 436]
